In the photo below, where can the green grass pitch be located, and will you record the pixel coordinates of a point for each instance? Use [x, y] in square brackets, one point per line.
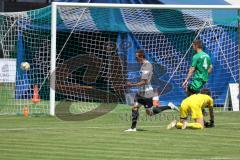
[103, 138]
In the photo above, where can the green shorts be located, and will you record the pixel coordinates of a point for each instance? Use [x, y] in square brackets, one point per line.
[196, 85]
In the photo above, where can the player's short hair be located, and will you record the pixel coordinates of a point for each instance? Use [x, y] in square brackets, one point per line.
[141, 53]
[198, 43]
[190, 91]
[205, 91]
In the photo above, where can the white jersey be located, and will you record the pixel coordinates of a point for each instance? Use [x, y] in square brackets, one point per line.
[146, 72]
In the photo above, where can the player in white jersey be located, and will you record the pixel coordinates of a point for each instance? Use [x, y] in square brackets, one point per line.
[146, 94]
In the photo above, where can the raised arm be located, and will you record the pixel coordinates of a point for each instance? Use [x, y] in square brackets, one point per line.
[141, 83]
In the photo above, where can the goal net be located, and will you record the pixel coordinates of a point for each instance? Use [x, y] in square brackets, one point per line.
[95, 55]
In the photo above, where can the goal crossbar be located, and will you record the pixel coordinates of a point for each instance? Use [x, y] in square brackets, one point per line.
[144, 6]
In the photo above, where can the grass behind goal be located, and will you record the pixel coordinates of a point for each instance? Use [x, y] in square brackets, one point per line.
[103, 138]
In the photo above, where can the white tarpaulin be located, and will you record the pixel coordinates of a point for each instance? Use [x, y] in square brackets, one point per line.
[8, 70]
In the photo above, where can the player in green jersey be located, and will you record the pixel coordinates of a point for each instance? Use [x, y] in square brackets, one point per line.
[200, 69]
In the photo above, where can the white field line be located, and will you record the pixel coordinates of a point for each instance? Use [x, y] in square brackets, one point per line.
[94, 127]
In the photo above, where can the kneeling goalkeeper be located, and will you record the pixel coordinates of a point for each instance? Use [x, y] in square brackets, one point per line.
[194, 106]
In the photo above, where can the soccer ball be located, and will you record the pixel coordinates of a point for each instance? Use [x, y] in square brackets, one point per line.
[25, 66]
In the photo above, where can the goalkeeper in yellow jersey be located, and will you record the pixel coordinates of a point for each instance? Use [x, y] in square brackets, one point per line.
[194, 106]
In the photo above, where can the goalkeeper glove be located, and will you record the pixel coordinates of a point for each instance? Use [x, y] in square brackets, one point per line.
[209, 124]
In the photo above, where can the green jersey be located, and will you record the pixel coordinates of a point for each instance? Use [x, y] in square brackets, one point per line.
[201, 62]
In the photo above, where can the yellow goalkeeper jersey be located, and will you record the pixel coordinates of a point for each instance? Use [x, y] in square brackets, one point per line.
[194, 104]
[207, 101]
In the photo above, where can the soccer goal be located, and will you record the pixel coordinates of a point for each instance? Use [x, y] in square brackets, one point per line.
[81, 55]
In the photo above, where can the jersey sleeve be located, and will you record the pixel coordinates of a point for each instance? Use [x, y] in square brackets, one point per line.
[210, 101]
[194, 61]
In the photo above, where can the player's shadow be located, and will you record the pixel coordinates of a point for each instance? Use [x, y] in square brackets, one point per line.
[141, 130]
